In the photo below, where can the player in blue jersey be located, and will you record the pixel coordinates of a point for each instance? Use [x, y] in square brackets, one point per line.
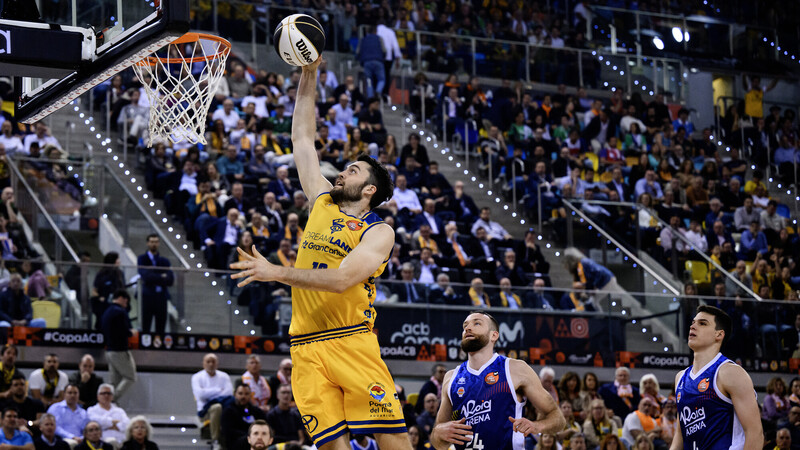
[482, 398]
[717, 406]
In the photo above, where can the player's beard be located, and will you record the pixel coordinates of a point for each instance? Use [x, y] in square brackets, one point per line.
[473, 345]
[346, 194]
[260, 445]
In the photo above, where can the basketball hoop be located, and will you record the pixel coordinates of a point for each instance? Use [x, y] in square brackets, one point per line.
[179, 99]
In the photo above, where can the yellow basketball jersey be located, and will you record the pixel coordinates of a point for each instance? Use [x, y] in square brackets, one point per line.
[329, 236]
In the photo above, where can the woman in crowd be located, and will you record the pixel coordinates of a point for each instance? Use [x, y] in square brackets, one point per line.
[569, 389]
[572, 427]
[418, 439]
[589, 388]
[648, 388]
[776, 403]
[138, 435]
[598, 426]
[611, 442]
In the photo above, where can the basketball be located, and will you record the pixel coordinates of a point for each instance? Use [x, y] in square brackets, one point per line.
[299, 39]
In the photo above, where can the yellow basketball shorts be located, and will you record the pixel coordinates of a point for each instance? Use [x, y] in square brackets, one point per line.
[340, 384]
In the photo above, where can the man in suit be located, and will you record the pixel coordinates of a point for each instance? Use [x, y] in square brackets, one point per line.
[463, 206]
[618, 184]
[538, 297]
[408, 290]
[239, 201]
[155, 284]
[718, 235]
[282, 187]
[220, 238]
[620, 396]
[599, 129]
[428, 217]
[444, 293]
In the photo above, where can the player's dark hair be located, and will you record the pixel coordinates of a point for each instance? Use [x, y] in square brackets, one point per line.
[379, 177]
[494, 326]
[721, 319]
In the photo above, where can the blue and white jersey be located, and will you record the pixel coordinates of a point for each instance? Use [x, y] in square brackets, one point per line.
[486, 398]
[371, 444]
[706, 415]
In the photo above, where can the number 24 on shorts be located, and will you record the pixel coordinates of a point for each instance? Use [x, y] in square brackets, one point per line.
[475, 444]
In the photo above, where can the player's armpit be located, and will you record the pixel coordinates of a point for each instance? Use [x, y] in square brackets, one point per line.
[737, 385]
[526, 380]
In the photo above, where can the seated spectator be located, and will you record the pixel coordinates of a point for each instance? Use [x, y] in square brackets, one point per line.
[12, 436]
[649, 185]
[227, 114]
[745, 215]
[292, 231]
[539, 298]
[15, 306]
[282, 186]
[229, 164]
[239, 201]
[8, 369]
[771, 222]
[427, 419]
[259, 435]
[531, 259]
[134, 118]
[620, 396]
[112, 419]
[494, 230]
[443, 292]
[259, 389]
[220, 237]
[281, 377]
[41, 137]
[416, 149]
[28, 409]
[753, 241]
[783, 439]
[641, 422]
[48, 439]
[477, 295]
[284, 255]
[87, 381]
[509, 269]
[93, 438]
[776, 402]
[138, 435]
[70, 417]
[718, 235]
[237, 416]
[299, 207]
[48, 384]
[405, 202]
[285, 419]
[507, 298]
[209, 387]
[408, 291]
[669, 421]
[598, 426]
[425, 238]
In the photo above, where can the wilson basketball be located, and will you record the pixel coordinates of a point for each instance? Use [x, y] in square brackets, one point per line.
[299, 39]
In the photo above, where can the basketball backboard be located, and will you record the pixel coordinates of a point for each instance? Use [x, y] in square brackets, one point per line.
[74, 45]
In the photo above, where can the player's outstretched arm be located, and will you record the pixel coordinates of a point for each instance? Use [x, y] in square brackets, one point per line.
[304, 131]
[677, 440]
[736, 383]
[551, 419]
[357, 266]
[447, 431]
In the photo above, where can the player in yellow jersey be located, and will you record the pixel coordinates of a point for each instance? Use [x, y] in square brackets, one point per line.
[340, 382]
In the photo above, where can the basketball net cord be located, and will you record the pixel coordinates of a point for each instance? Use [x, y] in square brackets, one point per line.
[179, 100]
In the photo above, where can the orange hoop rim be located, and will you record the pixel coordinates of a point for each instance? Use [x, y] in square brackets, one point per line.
[224, 50]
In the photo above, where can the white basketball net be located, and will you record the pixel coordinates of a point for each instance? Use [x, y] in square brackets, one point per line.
[179, 99]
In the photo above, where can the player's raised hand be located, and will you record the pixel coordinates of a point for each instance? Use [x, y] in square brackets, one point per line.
[524, 426]
[455, 432]
[254, 268]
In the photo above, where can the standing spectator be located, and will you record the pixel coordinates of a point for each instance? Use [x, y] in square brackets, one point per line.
[70, 417]
[87, 381]
[29, 408]
[47, 384]
[285, 419]
[620, 396]
[208, 386]
[155, 284]
[48, 439]
[259, 389]
[15, 306]
[12, 437]
[371, 54]
[116, 327]
[754, 98]
[107, 281]
[432, 386]
[8, 369]
[392, 49]
[138, 435]
[237, 417]
[281, 377]
[93, 438]
[112, 419]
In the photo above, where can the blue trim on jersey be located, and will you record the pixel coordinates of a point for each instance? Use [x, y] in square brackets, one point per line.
[371, 218]
[338, 434]
[392, 430]
[328, 430]
[376, 422]
[332, 330]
